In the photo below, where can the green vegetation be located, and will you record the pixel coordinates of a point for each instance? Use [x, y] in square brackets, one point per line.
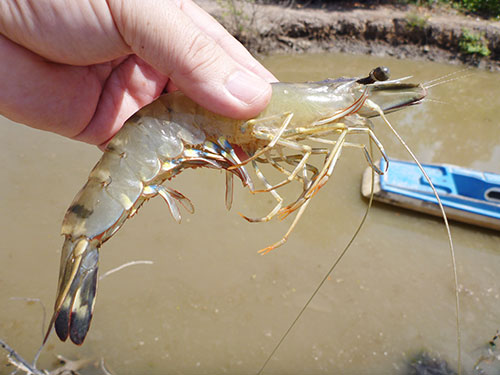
[472, 43]
[490, 8]
[487, 8]
[239, 15]
[416, 21]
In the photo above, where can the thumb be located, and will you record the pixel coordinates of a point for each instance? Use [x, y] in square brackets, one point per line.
[161, 34]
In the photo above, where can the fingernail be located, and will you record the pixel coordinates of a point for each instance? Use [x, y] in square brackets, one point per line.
[246, 87]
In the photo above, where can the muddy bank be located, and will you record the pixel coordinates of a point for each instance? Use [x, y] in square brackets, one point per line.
[382, 30]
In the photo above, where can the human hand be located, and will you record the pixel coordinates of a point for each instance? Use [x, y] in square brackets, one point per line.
[80, 68]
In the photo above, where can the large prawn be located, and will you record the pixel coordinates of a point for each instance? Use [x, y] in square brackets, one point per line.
[173, 133]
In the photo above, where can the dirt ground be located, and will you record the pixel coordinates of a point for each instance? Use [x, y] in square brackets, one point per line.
[402, 31]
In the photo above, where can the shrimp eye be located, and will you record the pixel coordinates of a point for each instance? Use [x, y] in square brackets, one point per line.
[381, 73]
[378, 74]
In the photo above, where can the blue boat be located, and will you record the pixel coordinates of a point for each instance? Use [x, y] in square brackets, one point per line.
[467, 195]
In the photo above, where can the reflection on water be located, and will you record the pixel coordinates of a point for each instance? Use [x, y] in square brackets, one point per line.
[210, 304]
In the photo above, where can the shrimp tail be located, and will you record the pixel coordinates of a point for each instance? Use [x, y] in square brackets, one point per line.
[76, 290]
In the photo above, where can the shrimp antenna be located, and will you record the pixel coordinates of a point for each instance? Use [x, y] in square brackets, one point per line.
[442, 80]
[376, 108]
[434, 101]
[325, 277]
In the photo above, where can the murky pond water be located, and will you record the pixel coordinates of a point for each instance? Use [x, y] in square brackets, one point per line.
[209, 304]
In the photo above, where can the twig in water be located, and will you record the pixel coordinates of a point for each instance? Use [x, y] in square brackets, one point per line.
[104, 369]
[19, 362]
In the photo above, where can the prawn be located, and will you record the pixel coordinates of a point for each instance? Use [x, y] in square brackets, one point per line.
[173, 134]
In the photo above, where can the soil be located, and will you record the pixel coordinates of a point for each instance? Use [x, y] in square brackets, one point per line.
[402, 31]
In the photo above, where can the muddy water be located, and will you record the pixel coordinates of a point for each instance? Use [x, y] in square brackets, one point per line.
[209, 304]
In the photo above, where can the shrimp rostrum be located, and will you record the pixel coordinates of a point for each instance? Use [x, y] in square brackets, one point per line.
[174, 133]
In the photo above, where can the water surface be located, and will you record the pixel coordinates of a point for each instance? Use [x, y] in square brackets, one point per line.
[210, 304]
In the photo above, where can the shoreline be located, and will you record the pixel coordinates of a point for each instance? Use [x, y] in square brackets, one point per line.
[402, 31]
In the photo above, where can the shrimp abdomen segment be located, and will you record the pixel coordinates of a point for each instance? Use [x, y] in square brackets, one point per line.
[91, 211]
[133, 160]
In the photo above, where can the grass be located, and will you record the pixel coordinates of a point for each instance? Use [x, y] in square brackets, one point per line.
[472, 43]
[416, 21]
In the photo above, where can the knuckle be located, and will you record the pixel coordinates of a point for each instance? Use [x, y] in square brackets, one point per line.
[199, 55]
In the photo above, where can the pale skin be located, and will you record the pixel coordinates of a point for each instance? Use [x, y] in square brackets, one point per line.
[80, 68]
